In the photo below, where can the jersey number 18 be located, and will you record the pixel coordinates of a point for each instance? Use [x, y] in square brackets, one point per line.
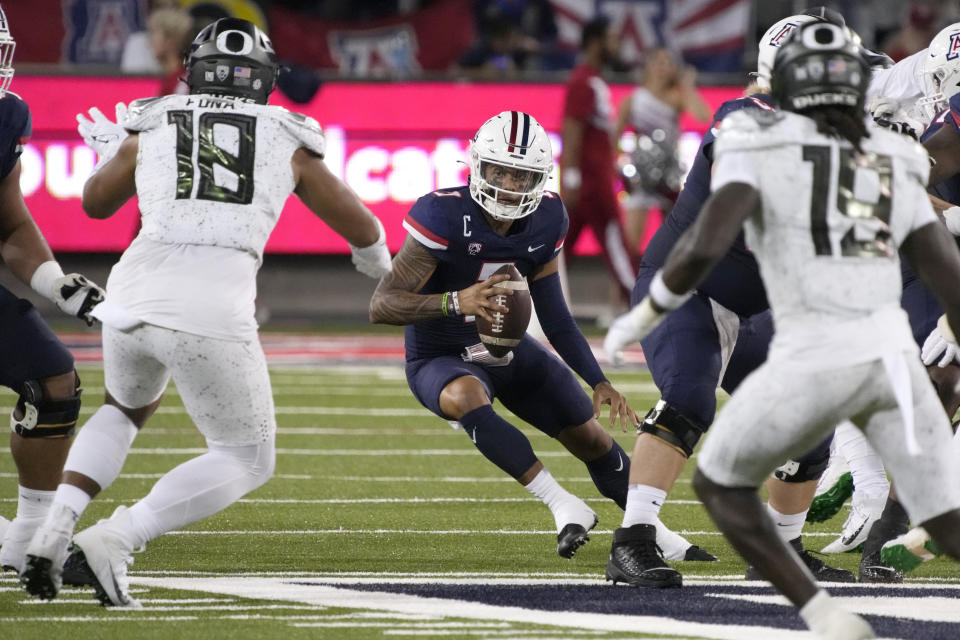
[210, 155]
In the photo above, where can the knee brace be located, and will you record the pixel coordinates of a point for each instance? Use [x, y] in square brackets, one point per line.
[668, 424]
[809, 467]
[44, 417]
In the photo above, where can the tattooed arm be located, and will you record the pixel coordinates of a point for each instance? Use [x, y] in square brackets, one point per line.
[396, 300]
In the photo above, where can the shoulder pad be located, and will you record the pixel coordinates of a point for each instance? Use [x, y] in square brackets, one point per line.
[744, 125]
[146, 113]
[16, 113]
[305, 129]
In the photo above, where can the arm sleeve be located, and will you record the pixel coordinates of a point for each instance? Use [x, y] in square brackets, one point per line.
[562, 331]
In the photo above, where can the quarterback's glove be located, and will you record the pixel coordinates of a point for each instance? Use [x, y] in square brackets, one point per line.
[102, 135]
[373, 261]
[938, 347]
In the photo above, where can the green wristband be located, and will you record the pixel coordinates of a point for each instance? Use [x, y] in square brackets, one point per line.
[443, 303]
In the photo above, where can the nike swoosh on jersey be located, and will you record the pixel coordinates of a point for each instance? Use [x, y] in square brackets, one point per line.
[532, 249]
[620, 468]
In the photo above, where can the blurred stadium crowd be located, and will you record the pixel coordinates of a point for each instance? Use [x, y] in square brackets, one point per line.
[526, 40]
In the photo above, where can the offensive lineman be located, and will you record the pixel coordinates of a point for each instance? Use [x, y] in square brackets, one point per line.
[33, 362]
[843, 348]
[212, 170]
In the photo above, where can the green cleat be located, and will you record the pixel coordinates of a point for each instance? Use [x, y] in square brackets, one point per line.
[828, 504]
[909, 551]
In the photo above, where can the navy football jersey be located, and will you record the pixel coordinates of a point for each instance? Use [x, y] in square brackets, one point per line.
[16, 127]
[454, 229]
[735, 281]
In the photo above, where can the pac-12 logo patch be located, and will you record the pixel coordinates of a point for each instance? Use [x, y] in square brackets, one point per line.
[954, 49]
[474, 248]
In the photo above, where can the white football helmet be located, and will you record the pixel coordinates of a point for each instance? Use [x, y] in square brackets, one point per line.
[7, 46]
[940, 71]
[771, 41]
[780, 32]
[510, 146]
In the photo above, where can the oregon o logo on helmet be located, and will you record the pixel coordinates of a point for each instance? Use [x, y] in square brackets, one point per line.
[811, 36]
[244, 50]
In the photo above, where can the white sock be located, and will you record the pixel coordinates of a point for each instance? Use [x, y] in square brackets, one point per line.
[672, 544]
[74, 498]
[866, 467]
[33, 503]
[565, 506]
[788, 526]
[102, 445]
[643, 505]
[827, 619]
[200, 488]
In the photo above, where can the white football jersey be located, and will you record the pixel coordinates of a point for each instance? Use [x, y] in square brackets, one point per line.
[828, 232]
[212, 177]
[216, 171]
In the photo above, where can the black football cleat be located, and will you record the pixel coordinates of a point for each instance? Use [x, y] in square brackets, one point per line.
[873, 570]
[635, 559]
[76, 573]
[572, 537]
[820, 570]
[696, 554]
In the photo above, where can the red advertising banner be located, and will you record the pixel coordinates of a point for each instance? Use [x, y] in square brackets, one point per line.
[391, 142]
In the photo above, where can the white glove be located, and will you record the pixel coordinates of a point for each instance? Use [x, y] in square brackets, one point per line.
[77, 296]
[951, 216]
[936, 346]
[102, 135]
[373, 261]
[633, 326]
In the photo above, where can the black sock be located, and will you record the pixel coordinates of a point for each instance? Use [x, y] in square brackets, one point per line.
[892, 523]
[611, 474]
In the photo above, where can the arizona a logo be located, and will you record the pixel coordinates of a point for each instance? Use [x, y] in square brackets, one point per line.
[781, 35]
[954, 49]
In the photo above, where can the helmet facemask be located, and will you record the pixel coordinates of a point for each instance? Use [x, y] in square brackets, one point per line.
[506, 192]
[940, 72]
[7, 45]
[510, 161]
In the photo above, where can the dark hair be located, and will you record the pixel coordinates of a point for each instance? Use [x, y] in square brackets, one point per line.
[840, 122]
[596, 29]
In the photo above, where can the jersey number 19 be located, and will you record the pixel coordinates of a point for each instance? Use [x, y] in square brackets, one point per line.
[869, 235]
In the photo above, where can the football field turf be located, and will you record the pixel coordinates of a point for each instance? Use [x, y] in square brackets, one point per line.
[382, 521]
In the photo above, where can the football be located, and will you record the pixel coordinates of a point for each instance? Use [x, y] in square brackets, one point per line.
[507, 329]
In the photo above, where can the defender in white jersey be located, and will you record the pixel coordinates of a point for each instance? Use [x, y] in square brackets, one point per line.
[827, 202]
[212, 171]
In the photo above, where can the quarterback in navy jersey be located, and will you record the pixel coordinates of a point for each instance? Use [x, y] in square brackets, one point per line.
[442, 278]
[33, 362]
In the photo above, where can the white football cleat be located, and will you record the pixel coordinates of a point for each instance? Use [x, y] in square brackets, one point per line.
[4, 525]
[107, 555]
[864, 512]
[43, 572]
[13, 552]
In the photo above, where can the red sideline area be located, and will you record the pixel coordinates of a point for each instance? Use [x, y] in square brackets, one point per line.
[307, 349]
